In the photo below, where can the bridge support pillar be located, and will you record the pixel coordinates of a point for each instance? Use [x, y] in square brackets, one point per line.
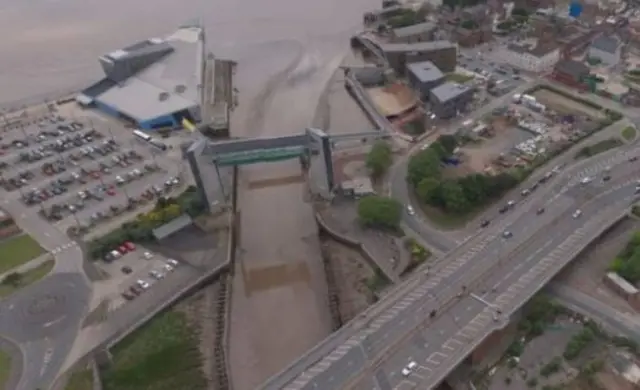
[494, 346]
[323, 143]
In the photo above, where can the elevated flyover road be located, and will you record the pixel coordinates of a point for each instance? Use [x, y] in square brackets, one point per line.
[426, 320]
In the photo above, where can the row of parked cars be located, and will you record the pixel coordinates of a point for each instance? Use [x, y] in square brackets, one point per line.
[142, 285]
[82, 176]
[61, 145]
[41, 136]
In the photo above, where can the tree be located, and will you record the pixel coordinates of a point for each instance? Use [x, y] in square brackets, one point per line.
[424, 164]
[453, 197]
[449, 143]
[379, 159]
[379, 212]
[475, 188]
[428, 190]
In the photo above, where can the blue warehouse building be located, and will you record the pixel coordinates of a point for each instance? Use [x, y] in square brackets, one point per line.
[152, 84]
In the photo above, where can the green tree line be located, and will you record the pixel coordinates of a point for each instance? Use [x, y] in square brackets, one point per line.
[455, 195]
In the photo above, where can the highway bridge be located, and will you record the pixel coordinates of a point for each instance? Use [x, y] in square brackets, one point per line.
[437, 319]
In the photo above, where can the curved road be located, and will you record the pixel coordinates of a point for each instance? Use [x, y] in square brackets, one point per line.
[43, 319]
[373, 349]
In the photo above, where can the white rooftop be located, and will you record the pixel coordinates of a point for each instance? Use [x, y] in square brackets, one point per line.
[166, 86]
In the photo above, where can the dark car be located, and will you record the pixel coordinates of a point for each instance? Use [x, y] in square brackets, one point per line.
[503, 209]
[126, 270]
[540, 210]
[128, 296]
[606, 178]
[632, 159]
[484, 223]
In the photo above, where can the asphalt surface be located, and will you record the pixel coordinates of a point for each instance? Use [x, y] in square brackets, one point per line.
[610, 318]
[42, 320]
[394, 336]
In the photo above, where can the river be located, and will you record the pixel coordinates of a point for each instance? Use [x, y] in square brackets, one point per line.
[51, 46]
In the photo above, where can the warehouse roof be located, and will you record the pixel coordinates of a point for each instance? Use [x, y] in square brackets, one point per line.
[168, 85]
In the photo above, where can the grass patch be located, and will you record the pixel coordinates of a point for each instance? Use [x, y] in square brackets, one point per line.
[17, 280]
[80, 380]
[162, 355]
[598, 147]
[448, 221]
[5, 368]
[459, 77]
[18, 250]
[629, 133]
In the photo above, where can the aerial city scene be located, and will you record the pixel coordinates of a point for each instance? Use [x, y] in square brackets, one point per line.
[298, 195]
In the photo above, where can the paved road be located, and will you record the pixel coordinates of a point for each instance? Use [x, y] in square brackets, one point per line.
[42, 320]
[610, 318]
[397, 332]
[446, 241]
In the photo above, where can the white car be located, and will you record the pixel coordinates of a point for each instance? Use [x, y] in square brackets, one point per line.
[172, 263]
[143, 284]
[511, 203]
[586, 180]
[168, 267]
[410, 210]
[156, 274]
[409, 368]
[148, 255]
[577, 213]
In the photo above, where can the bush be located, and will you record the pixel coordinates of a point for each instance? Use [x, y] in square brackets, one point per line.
[552, 367]
[578, 343]
[141, 229]
[598, 147]
[380, 212]
[627, 263]
[540, 311]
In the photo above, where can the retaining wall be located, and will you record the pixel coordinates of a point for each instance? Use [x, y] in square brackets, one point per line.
[348, 241]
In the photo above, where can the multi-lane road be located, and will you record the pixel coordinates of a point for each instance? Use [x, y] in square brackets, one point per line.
[372, 351]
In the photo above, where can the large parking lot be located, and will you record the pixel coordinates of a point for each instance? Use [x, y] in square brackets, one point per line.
[83, 174]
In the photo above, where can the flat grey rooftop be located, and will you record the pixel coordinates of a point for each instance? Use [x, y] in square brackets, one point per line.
[425, 71]
[448, 91]
[167, 86]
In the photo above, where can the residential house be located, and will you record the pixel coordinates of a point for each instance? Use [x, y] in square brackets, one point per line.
[537, 58]
[571, 72]
[607, 49]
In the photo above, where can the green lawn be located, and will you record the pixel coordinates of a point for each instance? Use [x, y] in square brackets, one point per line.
[27, 278]
[598, 147]
[447, 221]
[629, 133]
[5, 369]
[80, 380]
[459, 77]
[18, 250]
[163, 355]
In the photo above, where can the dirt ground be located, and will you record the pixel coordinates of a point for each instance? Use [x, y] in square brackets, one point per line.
[562, 104]
[479, 156]
[586, 272]
[350, 271]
